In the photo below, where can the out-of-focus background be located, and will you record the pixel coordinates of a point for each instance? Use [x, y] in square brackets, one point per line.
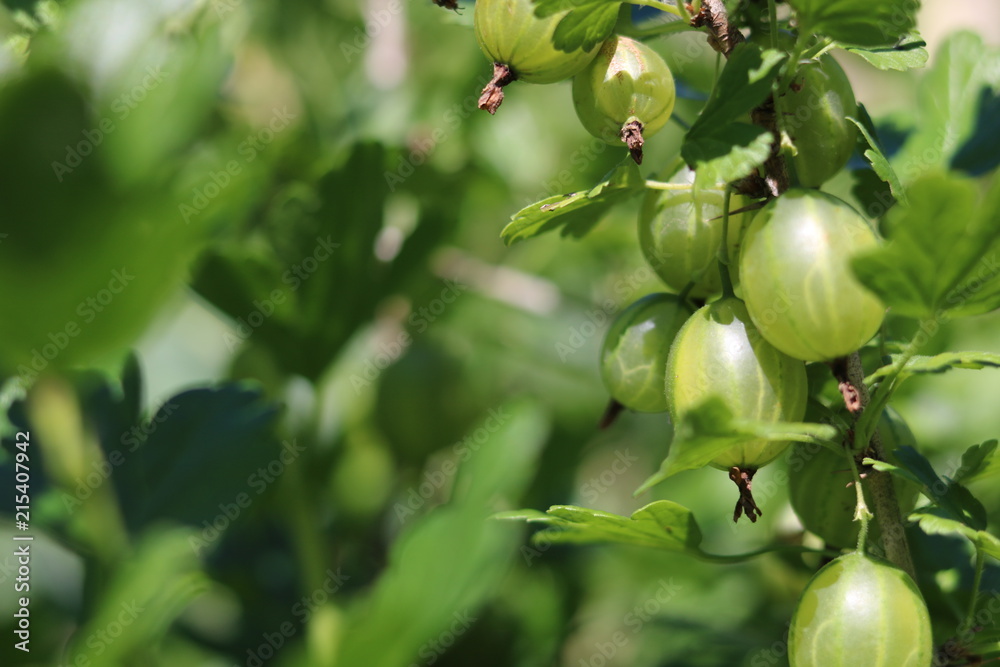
[291, 213]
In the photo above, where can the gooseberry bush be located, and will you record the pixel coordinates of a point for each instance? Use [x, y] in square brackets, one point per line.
[793, 308]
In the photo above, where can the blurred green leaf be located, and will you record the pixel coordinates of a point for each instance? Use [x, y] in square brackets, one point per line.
[446, 563]
[92, 261]
[292, 283]
[576, 213]
[177, 77]
[147, 593]
[205, 453]
[718, 145]
[941, 251]
[980, 153]
[708, 430]
[907, 53]
[876, 155]
[948, 104]
[588, 23]
[862, 22]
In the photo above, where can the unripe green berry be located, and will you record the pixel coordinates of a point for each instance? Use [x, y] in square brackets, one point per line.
[796, 276]
[626, 93]
[859, 611]
[634, 354]
[519, 44]
[813, 113]
[680, 235]
[719, 352]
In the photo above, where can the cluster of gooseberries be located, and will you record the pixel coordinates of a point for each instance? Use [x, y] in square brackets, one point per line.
[623, 91]
[756, 290]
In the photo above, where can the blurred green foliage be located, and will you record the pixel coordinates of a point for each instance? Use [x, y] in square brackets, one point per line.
[301, 202]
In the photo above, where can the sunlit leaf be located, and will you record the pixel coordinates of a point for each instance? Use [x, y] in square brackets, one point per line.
[708, 430]
[578, 212]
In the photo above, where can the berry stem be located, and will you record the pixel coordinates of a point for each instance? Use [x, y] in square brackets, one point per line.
[660, 185]
[861, 512]
[656, 4]
[970, 616]
[772, 20]
[658, 30]
[727, 281]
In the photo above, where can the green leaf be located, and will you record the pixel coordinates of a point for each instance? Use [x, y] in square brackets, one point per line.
[661, 525]
[588, 23]
[150, 589]
[862, 22]
[939, 363]
[73, 235]
[980, 153]
[728, 153]
[975, 460]
[875, 154]
[934, 522]
[948, 102]
[744, 83]
[303, 318]
[720, 146]
[710, 429]
[941, 252]
[576, 213]
[883, 466]
[951, 497]
[446, 563]
[906, 54]
[206, 448]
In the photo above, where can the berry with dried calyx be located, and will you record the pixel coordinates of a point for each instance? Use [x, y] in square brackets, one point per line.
[626, 93]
